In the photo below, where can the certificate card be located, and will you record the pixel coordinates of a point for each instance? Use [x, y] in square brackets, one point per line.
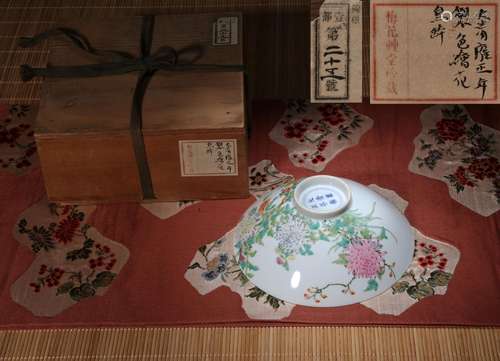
[434, 52]
[336, 52]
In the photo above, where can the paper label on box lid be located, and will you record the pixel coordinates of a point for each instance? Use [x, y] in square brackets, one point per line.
[336, 52]
[217, 157]
[225, 31]
[429, 51]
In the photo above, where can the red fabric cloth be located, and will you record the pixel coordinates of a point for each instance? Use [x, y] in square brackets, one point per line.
[151, 289]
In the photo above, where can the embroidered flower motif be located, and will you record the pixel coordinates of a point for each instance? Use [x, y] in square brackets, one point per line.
[84, 282]
[430, 256]
[473, 148]
[67, 247]
[485, 167]
[16, 136]
[328, 109]
[51, 276]
[104, 258]
[450, 129]
[258, 179]
[331, 114]
[461, 178]
[428, 272]
[296, 130]
[40, 238]
[216, 266]
[66, 230]
[496, 185]
[263, 177]
[363, 258]
[314, 138]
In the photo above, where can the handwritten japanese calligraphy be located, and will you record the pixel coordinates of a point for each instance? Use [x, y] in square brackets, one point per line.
[391, 46]
[472, 60]
[332, 60]
[427, 51]
[208, 157]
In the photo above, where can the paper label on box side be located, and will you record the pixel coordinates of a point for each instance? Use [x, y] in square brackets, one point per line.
[201, 158]
[336, 52]
[225, 31]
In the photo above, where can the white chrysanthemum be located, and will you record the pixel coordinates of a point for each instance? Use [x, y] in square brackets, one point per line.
[290, 236]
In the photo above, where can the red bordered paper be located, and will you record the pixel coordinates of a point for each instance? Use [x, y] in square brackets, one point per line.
[434, 52]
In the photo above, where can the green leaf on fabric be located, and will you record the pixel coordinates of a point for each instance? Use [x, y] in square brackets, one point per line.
[65, 288]
[274, 302]
[88, 243]
[202, 249]
[103, 279]
[256, 293]
[22, 225]
[194, 265]
[80, 216]
[421, 290]
[439, 278]
[400, 287]
[82, 253]
[84, 291]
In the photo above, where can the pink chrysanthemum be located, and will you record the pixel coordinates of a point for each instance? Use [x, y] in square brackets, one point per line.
[363, 260]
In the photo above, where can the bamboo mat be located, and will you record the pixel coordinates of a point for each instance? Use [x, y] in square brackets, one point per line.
[290, 32]
[276, 38]
[279, 29]
[272, 343]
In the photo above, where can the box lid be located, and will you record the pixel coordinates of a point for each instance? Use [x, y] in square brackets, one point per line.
[173, 100]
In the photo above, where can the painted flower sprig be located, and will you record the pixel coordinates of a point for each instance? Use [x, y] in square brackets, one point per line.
[219, 265]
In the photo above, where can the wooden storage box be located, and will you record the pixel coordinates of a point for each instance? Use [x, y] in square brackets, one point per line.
[193, 127]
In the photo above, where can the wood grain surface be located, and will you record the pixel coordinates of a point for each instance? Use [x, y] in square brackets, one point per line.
[82, 127]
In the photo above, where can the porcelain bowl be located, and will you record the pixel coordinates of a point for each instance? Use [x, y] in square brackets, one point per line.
[323, 241]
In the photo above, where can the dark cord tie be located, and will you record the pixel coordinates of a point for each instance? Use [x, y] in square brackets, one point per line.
[165, 58]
